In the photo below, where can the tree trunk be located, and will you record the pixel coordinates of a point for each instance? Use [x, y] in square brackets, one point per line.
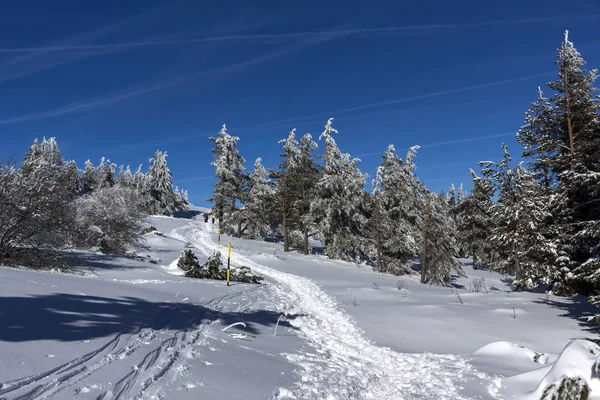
[239, 229]
[306, 241]
[284, 227]
[518, 270]
[570, 123]
[378, 252]
[424, 252]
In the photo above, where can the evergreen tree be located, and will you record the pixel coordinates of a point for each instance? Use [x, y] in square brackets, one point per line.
[474, 223]
[340, 205]
[536, 137]
[42, 155]
[90, 178]
[452, 196]
[105, 174]
[259, 202]
[229, 172]
[520, 220]
[460, 195]
[286, 196]
[125, 178]
[395, 214]
[307, 173]
[560, 138]
[163, 198]
[437, 242]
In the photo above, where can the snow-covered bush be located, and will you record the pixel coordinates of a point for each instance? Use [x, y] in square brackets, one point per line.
[35, 212]
[567, 389]
[187, 261]
[108, 219]
[212, 270]
[477, 285]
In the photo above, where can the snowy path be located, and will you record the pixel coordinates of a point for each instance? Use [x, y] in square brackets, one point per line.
[345, 364]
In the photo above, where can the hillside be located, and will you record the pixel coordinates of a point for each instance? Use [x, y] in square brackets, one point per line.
[124, 328]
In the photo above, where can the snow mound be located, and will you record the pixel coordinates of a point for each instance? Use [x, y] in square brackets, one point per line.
[512, 350]
[579, 360]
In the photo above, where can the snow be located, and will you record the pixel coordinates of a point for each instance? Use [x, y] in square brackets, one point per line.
[316, 328]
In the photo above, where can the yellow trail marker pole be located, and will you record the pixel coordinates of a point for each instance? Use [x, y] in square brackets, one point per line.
[228, 262]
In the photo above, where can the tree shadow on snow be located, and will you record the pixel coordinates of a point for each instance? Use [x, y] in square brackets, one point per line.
[90, 262]
[189, 214]
[68, 317]
[579, 309]
[508, 281]
[454, 284]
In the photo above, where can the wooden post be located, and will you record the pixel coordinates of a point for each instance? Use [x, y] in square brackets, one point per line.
[228, 262]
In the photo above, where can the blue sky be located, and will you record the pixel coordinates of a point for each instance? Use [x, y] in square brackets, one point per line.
[122, 79]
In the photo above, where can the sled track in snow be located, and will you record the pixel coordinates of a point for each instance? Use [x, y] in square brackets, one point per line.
[147, 379]
[345, 365]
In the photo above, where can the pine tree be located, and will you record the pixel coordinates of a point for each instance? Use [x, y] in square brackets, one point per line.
[229, 172]
[460, 195]
[307, 173]
[437, 242]
[89, 177]
[42, 155]
[259, 202]
[536, 137]
[125, 178]
[520, 219]
[474, 222]
[105, 174]
[188, 261]
[560, 138]
[395, 214]
[452, 196]
[163, 198]
[340, 205]
[286, 196]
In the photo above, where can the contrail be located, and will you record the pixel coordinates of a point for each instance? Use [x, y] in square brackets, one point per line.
[457, 141]
[68, 109]
[290, 35]
[412, 98]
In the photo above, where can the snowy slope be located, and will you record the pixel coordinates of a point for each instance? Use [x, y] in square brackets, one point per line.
[130, 328]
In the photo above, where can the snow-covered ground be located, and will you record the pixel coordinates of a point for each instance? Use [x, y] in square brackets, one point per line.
[316, 329]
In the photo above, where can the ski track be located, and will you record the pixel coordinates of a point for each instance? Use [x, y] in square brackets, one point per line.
[347, 365]
[160, 368]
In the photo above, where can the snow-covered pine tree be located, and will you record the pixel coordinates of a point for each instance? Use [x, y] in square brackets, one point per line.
[125, 177]
[452, 196]
[182, 200]
[307, 173]
[437, 241]
[231, 180]
[460, 195]
[286, 196]
[393, 223]
[561, 139]
[576, 121]
[473, 220]
[90, 178]
[341, 202]
[520, 218]
[163, 198]
[259, 201]
[538, 141]
[42, 155]
[105, 174]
